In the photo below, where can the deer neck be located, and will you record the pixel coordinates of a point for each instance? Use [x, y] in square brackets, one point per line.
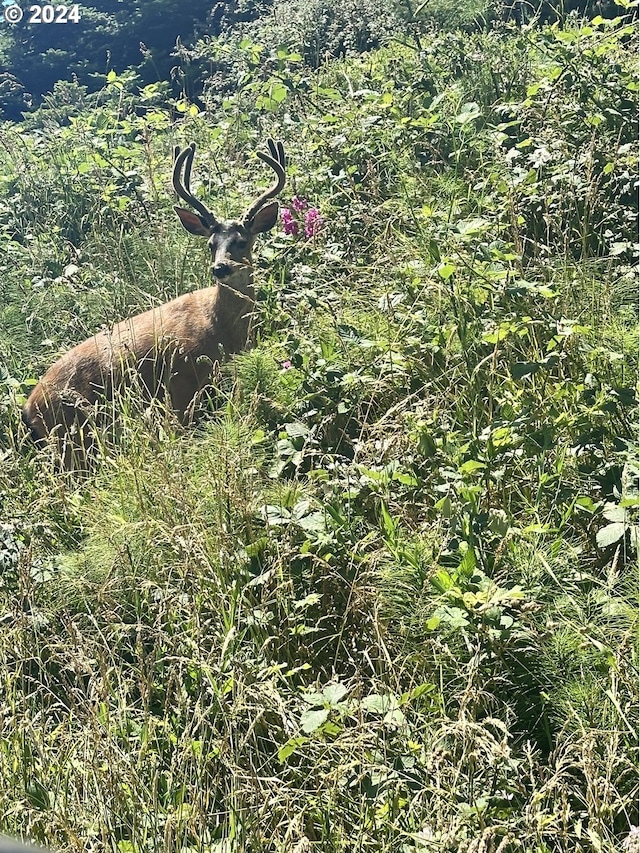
[235, 313]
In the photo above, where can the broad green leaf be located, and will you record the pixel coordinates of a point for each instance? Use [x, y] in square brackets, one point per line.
[395, 719]
[467, 564]
[313, 719]
[278, 93]
[290, 747]
[334, 693]
[315, 522]
[610, 534]
[614, 512]
[469, 112]
[442, 580]
[446, 270]
[471, 466]
[379, 704]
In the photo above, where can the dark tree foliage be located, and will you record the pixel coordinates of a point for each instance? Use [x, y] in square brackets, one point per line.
[111, 34]
[550, 11]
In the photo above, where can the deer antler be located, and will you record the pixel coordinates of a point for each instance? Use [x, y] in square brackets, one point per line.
[182, 181]
[277, 161]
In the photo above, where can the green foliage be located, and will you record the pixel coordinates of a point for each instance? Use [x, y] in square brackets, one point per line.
[382, 595]
[450, 15]
[322, 29]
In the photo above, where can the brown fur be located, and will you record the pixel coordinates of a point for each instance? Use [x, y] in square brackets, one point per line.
[172, 349]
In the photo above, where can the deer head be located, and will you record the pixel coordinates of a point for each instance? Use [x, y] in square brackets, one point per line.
[230, 241]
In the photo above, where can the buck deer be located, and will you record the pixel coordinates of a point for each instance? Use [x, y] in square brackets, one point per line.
[169, 351]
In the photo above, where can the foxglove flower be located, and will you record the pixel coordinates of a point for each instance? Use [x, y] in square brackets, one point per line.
[313, 222]
[289, 224]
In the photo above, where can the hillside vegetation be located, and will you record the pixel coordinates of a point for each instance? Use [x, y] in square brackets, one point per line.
[382, 597]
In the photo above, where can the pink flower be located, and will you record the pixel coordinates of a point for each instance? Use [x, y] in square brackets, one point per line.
[286, 365]
[292, 219]
[313, 222]
[289, 224]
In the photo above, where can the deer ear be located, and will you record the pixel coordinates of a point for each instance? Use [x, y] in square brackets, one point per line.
[265, 218]
[192, 223]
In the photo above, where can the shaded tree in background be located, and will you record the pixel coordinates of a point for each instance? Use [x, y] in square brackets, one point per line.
[109, 35]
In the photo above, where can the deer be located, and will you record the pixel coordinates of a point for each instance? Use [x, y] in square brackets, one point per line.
[169, 352]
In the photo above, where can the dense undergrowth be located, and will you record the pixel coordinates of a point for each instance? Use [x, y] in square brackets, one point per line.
[383, 596]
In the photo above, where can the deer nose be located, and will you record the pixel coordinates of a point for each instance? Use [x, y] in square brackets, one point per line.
[221, 270]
